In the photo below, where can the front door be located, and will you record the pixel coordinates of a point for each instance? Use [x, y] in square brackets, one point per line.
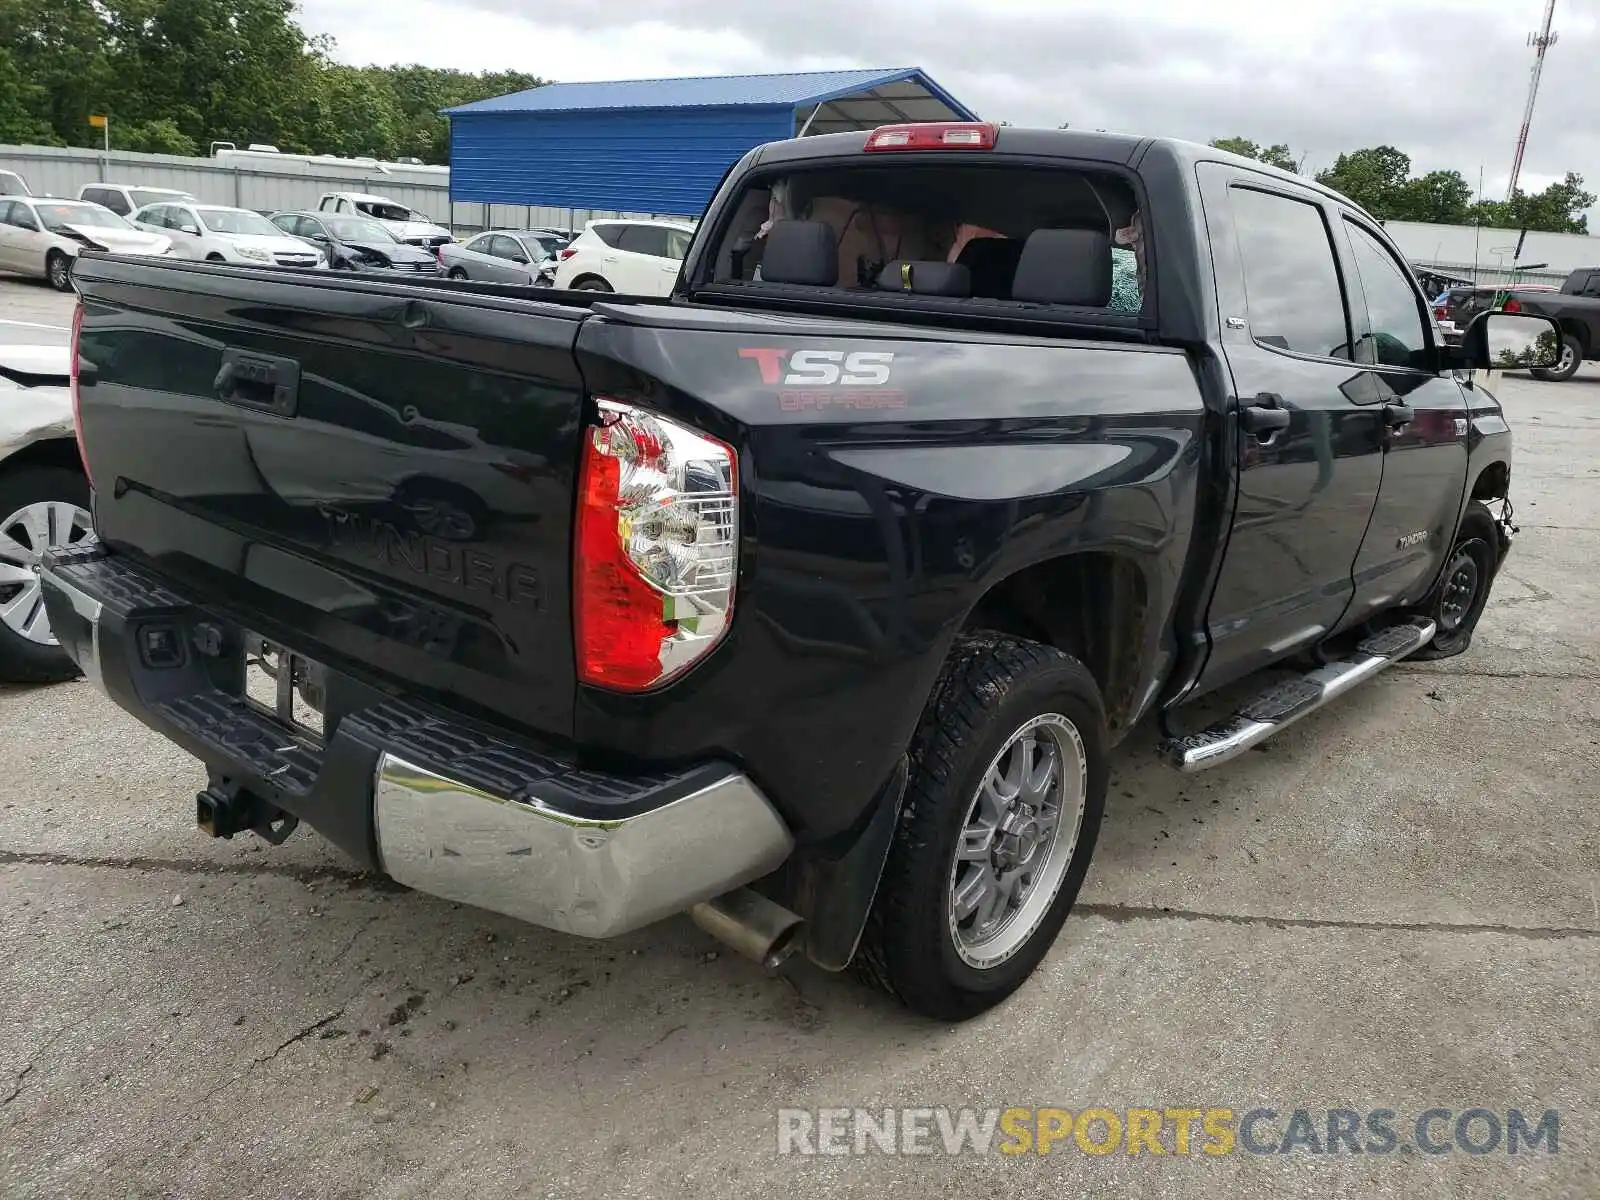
[1309, 443]
[1425, 429]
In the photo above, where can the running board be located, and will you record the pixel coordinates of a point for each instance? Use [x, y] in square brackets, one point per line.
[1282, 705]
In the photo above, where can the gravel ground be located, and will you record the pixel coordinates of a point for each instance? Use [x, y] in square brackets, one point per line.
[1394, 906]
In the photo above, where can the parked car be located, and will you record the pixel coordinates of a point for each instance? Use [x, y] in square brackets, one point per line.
[637, 258]
[125, 199]
[210, 233]
[42, 238]
[503, 256]
[1575, 308]
[407, 224]
[854, 558]
[44, 505]
[12, 184]
[1456, 308]
[356, 243]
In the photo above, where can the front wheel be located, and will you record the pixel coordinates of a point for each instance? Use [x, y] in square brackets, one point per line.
[41, 508]
[1002, 809]
[1567, 366]
[58, 270]
[1463, 590]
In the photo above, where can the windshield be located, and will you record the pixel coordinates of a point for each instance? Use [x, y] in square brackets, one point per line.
[57, 217]
[144, 196]
[389, 212]
[230, 220]
[354, 229]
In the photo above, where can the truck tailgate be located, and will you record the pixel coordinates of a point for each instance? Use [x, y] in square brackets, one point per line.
[380, 475]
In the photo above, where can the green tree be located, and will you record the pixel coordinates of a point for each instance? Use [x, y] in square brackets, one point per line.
[1373, 178]
[1559, 208]
[161, 136]
[1274, 156]
[23, 107]
[1442, 197]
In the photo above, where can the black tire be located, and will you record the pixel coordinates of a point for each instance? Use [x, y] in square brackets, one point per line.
[1571, 360]
[58, 270]
[1462, 593]
[22, 660]
[592, 283]
[215, 258]
[456, 273]
[991, 686]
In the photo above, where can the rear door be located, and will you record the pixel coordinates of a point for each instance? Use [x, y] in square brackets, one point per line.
[1424, 422]
[1309, 441]
[651, 268]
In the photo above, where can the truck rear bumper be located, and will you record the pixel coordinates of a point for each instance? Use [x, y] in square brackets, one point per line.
[439, 805]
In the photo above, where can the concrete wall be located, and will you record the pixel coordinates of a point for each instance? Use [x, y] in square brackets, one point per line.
[1486, 254]
[271, 187]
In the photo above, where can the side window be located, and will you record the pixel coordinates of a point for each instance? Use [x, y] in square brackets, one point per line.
[1397, 337]
[503, 247]
[1592, 288]
[478, 245]
[115, 201]
[644, 239]
[611, 235]
[23, 217]
[8, 209]
[1291, 281]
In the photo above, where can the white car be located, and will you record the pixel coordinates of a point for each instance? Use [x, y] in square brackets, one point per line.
[637, 258]
[210, 233]
[125, 199]
[42, 237]
[44, 504]
[405, 223]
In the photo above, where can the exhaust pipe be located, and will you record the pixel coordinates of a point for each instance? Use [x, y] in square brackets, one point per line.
[756, 927]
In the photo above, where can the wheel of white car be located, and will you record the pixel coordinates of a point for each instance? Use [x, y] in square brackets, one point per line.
[58, 270]
[592, 283]
[457, 273]
[41, 508]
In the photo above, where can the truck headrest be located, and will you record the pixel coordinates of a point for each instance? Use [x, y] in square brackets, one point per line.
[925, 278]
[1065, 266]
[801, 252]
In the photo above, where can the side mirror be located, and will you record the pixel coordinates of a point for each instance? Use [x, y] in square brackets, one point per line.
[1502, 341]
[520, 258]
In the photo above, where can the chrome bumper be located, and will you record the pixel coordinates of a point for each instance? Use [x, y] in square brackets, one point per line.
[587, 877]
[685, 837]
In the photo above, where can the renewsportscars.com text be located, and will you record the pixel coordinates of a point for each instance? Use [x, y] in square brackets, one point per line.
[1179, 1131]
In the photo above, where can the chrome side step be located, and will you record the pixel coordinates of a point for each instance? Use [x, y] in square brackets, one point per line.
[1282, 705]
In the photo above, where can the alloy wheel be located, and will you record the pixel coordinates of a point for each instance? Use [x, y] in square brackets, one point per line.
[24, 537]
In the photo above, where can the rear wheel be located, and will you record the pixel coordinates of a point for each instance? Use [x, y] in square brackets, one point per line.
[456, 273]
[1571, 359]
[1002, 808]
[592, 283]
[41, 508]
[58, 270]
[1463, 591]
[215, 258]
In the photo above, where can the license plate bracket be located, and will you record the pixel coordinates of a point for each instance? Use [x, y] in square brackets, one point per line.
[286, 686]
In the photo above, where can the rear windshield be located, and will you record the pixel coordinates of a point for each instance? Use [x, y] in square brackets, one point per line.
[995, 237]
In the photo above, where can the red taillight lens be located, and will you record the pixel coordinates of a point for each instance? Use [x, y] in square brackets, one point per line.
[1440, 311]
[72, 386]
[1511, 306]
[656, 551]
[566, 254]
[934, 135]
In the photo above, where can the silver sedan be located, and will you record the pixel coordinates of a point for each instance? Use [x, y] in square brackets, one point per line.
[520, 256]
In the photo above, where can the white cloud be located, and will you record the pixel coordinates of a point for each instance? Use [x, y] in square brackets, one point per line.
[1443, 80]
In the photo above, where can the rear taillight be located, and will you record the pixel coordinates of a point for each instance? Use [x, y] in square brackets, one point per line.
[1440, 311]
[72, 387]
[934, 135]
[1511, 306]
[566, 254]
[656, 553]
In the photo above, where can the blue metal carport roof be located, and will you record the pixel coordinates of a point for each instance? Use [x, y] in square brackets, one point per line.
[661, 145]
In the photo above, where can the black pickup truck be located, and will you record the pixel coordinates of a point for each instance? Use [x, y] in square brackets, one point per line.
[812, 599]
[1575, 308]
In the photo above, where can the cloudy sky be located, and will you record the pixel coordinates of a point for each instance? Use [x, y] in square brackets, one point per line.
[1443, 81]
